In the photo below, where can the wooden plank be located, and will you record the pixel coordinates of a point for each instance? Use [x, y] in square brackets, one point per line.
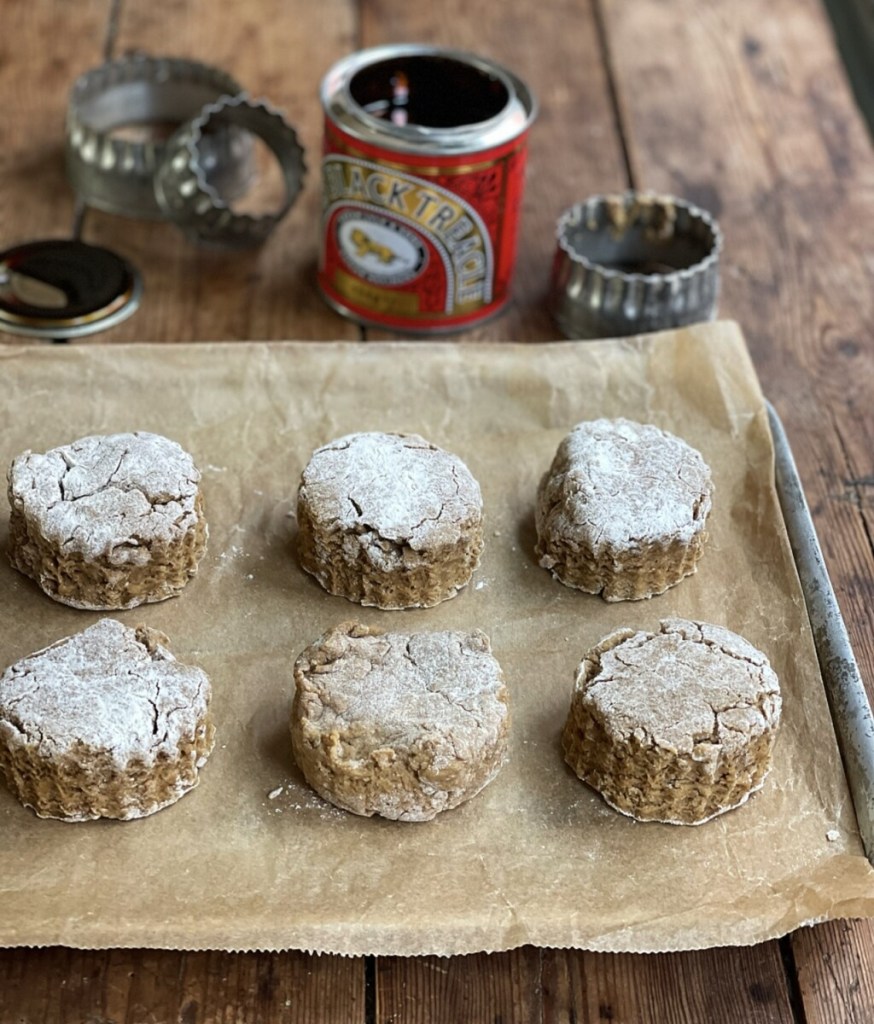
[501, 987]
[55, 986]
[278, 51]
[768, 139]
[719, 986]
[834, 972]
[35, 199]
[574, 149]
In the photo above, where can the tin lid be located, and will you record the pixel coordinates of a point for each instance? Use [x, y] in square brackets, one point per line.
[62, 288]
[427, 99]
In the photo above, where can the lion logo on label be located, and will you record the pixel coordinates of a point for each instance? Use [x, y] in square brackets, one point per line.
[380, 249]
[364, 244]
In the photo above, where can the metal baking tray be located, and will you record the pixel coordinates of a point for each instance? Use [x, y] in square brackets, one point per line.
[848, 700]
[233, 868]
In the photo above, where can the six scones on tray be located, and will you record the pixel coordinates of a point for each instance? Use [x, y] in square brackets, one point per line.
[676, 726]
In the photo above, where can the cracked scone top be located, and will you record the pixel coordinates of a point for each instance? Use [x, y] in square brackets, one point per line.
[109, 521]
[105, 723]
[389, 520]
[622, 510]
[674, 726]
[404, 725]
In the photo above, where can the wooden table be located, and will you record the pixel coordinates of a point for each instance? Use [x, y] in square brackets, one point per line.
[740, 106]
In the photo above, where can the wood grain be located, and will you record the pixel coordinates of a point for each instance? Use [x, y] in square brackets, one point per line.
[35, 199]
[833, 962]
[501, 987]
[60, 986]
[716, 986]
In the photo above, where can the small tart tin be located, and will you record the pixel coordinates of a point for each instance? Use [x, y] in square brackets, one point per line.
[633, 263]
[422, 172]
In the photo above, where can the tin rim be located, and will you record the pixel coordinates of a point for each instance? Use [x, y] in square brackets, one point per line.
[512, 121]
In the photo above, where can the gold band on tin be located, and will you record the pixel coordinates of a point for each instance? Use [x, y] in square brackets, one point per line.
[380, 300]
[395, 303]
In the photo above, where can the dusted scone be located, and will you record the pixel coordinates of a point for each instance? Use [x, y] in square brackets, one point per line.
[622, 510]
[403, 725]
[103, 724]
[107, 522]
[675, 726]
[389, 520]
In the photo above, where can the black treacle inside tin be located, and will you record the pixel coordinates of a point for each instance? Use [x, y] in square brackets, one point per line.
[429, 91]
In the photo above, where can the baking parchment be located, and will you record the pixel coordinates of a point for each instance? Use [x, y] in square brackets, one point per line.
[254, 860]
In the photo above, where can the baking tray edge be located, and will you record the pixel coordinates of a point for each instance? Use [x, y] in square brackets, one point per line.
[848, 701]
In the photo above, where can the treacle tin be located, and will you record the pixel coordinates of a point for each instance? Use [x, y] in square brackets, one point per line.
[423, 171]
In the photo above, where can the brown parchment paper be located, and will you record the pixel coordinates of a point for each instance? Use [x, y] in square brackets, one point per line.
[252, 859]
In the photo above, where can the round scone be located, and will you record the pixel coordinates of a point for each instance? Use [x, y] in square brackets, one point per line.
[622, 510]
[675, 726]
[389, 520]
[107, 522]
[403, 725]
[103, 724]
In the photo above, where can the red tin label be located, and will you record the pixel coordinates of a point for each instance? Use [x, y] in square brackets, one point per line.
[419, 242]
